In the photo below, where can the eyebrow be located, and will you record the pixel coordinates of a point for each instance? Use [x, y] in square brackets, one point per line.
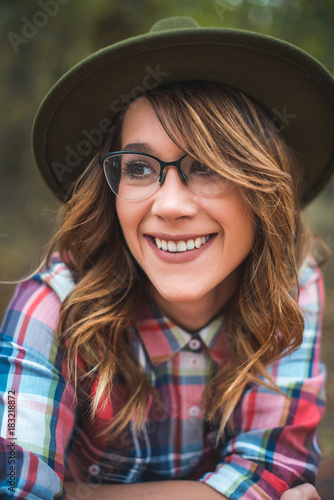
[138, 146]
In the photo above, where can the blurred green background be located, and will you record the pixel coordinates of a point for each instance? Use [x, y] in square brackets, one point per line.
[42, 39]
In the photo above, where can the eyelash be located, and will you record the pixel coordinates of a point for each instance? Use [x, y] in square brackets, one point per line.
[129, 167]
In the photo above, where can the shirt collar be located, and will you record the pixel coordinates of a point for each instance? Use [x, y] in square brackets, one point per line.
[57, 276]
[162, 338]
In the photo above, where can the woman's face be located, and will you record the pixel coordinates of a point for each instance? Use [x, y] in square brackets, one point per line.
[173, 213]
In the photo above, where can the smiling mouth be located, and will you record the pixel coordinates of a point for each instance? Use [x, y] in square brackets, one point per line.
[182, 245]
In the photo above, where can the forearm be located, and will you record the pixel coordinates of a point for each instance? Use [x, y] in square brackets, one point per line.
[162, 490]
[178, 490]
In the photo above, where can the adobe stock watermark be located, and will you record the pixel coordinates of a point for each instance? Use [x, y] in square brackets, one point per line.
[94, 138]
[223, 6]
[330, 242]
[84, 491]
[282, 119]
[31, 27]
[3, 236]
[320, 253]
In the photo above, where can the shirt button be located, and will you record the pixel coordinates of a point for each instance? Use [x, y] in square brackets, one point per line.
[194, 362]
[94, 470]
[194, 344]
[194, 411]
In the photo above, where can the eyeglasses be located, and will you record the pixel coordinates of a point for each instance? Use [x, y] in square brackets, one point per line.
[134, 175]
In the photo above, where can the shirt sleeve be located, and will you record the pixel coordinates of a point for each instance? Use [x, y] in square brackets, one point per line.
[274, 445]
[37, 404]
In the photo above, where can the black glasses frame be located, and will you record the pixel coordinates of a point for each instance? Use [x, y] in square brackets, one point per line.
[163, 164]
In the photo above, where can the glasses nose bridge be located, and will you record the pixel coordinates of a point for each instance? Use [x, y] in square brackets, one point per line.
[177, 164]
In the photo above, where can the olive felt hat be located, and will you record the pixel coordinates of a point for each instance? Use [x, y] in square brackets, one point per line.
[295, 89]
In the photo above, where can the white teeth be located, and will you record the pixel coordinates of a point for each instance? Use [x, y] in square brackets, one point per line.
[198, 242]
[172, 246]
[181, 246]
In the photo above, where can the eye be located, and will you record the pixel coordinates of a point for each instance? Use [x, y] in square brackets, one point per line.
[137, 169]
[198, 168]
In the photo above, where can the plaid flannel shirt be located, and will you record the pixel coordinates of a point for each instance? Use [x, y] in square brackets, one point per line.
[44, 431]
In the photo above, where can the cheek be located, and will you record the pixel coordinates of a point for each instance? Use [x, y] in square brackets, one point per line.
[238, 224]
[129, 216]
[124, 216]
[244, 234]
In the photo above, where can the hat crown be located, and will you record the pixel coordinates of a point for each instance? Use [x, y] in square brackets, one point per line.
[173, 23]
[295, 89]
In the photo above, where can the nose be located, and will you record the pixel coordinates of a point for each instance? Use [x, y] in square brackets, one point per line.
[173, 199]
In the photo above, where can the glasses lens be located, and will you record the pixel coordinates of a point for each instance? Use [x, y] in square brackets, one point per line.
[204, 180]
[131, 175]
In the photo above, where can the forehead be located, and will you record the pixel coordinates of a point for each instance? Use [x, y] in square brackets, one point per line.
[138, 118]
[141, 126]
[139, 108]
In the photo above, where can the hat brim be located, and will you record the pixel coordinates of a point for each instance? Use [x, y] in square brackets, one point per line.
[296, 90]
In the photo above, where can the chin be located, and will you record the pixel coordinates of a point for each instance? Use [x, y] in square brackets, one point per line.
[179, 296]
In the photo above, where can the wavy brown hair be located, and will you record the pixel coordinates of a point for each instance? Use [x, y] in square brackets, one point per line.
[224, 129]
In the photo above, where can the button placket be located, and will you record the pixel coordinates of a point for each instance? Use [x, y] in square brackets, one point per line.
[193, 363]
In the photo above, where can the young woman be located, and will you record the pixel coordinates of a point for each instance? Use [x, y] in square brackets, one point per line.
[169, 345]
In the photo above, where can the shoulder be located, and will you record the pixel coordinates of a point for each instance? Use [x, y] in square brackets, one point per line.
[33, 313]
[304, 363]
[311, 286]
[57, 277]
[309, 272]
